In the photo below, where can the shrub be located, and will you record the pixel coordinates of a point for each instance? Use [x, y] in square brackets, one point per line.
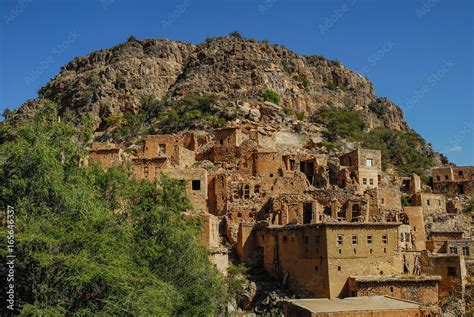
[235, 34]
[151, 106]
[286, 111]
[272, 96]
[192, 111]
[304, 81]
[300, 115]
[298, 127]
[405, 201]
[289, 66]
[379, 109]
[94, 81]
[339, 123]
[331, 86]
[132, 38]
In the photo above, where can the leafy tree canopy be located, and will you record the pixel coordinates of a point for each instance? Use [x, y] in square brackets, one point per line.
[97, 243]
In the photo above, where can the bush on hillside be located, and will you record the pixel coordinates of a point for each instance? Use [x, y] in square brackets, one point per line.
[272, 96]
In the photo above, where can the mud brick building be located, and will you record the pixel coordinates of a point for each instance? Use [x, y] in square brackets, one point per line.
[364, 166]
[318, 259]
[453, 181]
[431, 203]
[368, 306]
[106, 154]
[420, 289]
[325, 226]
[438, 240]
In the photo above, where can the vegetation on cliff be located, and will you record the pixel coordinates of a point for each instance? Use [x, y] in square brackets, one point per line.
[93, 242]
[399, 149]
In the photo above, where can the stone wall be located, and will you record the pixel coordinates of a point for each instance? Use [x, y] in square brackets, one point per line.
[420, 289]
[318, 259]
[431, 203]
[417, 225]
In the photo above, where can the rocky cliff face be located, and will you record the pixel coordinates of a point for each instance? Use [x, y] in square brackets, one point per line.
[111, 82]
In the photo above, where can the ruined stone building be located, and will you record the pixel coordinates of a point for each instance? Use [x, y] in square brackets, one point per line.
[325, 227]
[453, 181]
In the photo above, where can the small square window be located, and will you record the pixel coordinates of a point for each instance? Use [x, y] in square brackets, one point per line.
[384, 239]
[339, 240]
[407, 237]
[438, 178]
[446, 177]
[339, 268]
[371, 181]
[318, 239]
[316, 268]
[451, 271]
[453, 250]
[466, 251]
[285, 238]
[162, 148]
[428, 202]
[364, 181]
[196, 184]
[354, 239]
[370, 162]
[369, 239]
[306, 239]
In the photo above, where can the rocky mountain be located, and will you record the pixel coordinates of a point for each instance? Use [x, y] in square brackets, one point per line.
[112, 83]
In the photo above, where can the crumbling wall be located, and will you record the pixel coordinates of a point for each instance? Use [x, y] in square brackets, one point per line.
[451, 268]
[105, 154]
[423, 290]
[195, 181]
[431, 203]
[417, 225]
[453, 181]
[149, 168]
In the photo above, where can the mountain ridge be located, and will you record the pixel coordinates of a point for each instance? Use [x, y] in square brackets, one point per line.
[112, 82]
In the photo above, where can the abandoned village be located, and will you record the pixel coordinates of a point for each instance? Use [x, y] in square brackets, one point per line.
[334, 232]
[346, 237]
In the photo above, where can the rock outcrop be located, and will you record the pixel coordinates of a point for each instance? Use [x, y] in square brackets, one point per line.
[111, 82]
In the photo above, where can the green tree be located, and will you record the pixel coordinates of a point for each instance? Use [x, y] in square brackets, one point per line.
[339, 123]
[97, 243]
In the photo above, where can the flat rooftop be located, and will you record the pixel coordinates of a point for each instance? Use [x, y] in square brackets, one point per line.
[333, 225]
[364, 303]
[397, 278]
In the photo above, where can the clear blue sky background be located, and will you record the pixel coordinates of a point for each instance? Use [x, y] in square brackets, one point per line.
[418, 53]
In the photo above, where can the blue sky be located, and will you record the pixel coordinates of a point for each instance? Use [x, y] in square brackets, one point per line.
[418, 53]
